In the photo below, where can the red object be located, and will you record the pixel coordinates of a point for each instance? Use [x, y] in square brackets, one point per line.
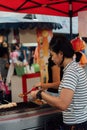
[49, 7]
[67, 8]
[33, 89]
[78, 44]
[24, 83]
[83, 60]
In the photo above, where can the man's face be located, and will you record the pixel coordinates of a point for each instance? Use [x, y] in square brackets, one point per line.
[57, 58]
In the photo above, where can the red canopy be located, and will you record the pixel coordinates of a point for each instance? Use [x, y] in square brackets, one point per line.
[67, 8]
[49, 7]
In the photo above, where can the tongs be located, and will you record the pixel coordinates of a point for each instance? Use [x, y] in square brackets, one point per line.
[25, 94]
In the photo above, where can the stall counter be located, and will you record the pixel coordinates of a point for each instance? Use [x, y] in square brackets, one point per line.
[29, 119]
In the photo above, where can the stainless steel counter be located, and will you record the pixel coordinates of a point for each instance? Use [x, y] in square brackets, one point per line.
[31, 118]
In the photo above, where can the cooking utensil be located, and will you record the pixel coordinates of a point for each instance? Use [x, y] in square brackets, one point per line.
[25, 94]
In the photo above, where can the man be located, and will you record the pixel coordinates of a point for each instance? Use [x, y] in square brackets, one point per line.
[72, 99]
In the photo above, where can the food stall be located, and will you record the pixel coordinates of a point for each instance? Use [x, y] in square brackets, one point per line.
[26, 115]
[23, 114]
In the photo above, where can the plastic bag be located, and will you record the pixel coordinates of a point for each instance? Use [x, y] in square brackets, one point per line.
[20, 70]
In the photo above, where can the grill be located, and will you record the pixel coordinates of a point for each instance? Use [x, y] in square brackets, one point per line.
[27, 115]
[22, 107]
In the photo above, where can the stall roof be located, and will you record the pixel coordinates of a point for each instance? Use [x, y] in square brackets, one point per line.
[62, 23]
[69, 8]
[50, 7]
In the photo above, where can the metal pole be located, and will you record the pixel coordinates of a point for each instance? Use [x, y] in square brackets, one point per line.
[70, 15]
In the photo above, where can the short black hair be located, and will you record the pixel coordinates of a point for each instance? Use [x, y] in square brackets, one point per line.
[14, 46]
[61, 43]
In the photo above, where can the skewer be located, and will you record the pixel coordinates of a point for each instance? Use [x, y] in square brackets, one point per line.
[25, 94]
[6, 101]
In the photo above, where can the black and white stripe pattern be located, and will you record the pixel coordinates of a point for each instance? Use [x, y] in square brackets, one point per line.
[75, 78]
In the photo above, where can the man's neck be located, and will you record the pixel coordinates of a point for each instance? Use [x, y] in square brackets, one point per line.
[67, 61]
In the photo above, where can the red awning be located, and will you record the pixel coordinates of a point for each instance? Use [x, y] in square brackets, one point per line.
[49, 7]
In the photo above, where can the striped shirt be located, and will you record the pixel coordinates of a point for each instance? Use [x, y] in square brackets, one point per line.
[75, 78]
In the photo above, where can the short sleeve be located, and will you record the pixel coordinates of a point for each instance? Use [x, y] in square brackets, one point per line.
[70, 80]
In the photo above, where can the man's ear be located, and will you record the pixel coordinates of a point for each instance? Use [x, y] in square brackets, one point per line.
[61, 53]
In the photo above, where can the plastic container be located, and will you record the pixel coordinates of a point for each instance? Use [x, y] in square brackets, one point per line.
[20, 70]
[36, 68]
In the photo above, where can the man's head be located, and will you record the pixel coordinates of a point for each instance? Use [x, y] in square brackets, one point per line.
[60, 48]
